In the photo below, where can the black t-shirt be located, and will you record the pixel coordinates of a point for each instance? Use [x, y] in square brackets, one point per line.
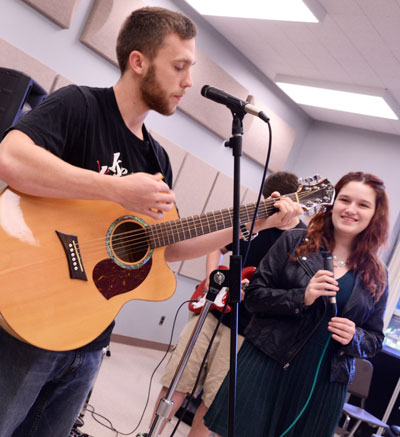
[258, 249]
[83, 126]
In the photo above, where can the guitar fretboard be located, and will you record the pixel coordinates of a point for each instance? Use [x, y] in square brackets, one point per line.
[166, 233]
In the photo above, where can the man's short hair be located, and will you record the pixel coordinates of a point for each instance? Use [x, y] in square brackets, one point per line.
[282, 181]
[145, 30]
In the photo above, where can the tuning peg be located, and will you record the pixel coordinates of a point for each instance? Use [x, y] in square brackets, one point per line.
[312, 211]
[317, 177]
[309, 181]
[300, 181]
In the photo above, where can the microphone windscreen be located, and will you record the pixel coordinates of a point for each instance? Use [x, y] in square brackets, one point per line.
[204, 90]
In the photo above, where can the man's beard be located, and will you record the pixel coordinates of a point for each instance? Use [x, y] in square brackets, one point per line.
[153, 94]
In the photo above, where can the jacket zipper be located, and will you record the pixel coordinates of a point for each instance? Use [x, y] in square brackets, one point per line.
[310, 274]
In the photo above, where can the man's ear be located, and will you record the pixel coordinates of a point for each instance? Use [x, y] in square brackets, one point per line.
[138, 62]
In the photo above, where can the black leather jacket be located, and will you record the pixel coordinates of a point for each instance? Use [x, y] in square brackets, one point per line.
[281, 323]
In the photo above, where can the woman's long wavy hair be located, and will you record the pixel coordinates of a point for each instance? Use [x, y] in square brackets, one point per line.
[364, 257]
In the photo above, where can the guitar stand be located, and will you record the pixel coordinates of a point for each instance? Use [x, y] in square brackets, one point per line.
[218, 279]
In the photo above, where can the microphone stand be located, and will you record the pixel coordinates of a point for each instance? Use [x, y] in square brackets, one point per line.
[217, 281]
[235, 278]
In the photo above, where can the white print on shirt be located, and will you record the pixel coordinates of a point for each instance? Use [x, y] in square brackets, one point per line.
[115, 169]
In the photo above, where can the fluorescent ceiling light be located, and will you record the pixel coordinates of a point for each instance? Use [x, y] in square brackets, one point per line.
[286, 10]
[358, 100]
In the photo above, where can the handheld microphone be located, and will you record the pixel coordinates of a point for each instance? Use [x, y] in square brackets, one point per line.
[328, 265]
[233, 103]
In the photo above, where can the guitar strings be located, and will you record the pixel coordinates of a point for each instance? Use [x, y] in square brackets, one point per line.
[139, 239]
[186, 225]
[142, 235]
[91, 249]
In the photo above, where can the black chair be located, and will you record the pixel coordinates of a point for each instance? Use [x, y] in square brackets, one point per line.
[360, 388]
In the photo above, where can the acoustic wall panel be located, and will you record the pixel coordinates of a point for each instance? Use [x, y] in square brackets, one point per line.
[11, 57]
[250, 196]
[176, 154]
[193, 186]
[194, 268]
[60, 81]
[220, 197]
[213, 116]
[102, 27]
[60, 11]
[256, 137]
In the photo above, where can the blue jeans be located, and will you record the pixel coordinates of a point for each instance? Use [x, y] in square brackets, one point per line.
[42, 392]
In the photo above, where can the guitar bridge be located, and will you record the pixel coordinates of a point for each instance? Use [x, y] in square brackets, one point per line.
[72, 252]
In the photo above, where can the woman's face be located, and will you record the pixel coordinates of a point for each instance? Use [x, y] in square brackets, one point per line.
[353, 209]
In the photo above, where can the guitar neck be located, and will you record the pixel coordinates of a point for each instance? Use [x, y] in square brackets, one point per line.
[165, 233]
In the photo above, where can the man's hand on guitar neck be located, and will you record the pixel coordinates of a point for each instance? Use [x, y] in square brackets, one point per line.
[199, 246]
[287, 211]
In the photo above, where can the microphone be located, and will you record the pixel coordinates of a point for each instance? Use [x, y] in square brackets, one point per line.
[233, 103]
[328, 265]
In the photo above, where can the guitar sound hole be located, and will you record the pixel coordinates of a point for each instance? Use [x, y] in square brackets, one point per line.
[129, 242]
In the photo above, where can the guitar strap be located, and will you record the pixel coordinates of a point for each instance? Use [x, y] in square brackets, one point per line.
[150, 139]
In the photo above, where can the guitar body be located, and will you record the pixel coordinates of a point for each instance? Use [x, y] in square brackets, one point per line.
[43, 301]
[200, 293]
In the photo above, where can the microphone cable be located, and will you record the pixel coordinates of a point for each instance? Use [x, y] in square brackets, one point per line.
[191, 395]
[311, 391]
[260, 192]
[110, 425]
[328, 265]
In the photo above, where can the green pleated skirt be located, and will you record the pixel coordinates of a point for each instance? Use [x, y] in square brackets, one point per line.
[269, 398]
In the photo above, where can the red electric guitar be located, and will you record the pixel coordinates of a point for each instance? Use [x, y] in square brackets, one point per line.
[200, 294]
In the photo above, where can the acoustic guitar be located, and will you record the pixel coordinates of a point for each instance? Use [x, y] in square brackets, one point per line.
[68, 266]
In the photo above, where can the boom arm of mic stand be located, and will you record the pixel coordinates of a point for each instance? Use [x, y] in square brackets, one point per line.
[218, 279]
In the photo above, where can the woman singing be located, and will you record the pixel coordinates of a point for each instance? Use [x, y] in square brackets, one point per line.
[293, 325]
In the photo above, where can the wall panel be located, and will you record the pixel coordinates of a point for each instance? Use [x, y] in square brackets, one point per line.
[60, 81]
[221, 197]
[256, 137]
[214, 116]
[11, 57]
[102, 27]
[60, 11]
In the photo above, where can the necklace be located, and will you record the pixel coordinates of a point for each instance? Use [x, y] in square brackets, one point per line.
[339, 262]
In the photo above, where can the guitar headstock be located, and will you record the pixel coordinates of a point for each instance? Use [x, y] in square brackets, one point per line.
[315, 193]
